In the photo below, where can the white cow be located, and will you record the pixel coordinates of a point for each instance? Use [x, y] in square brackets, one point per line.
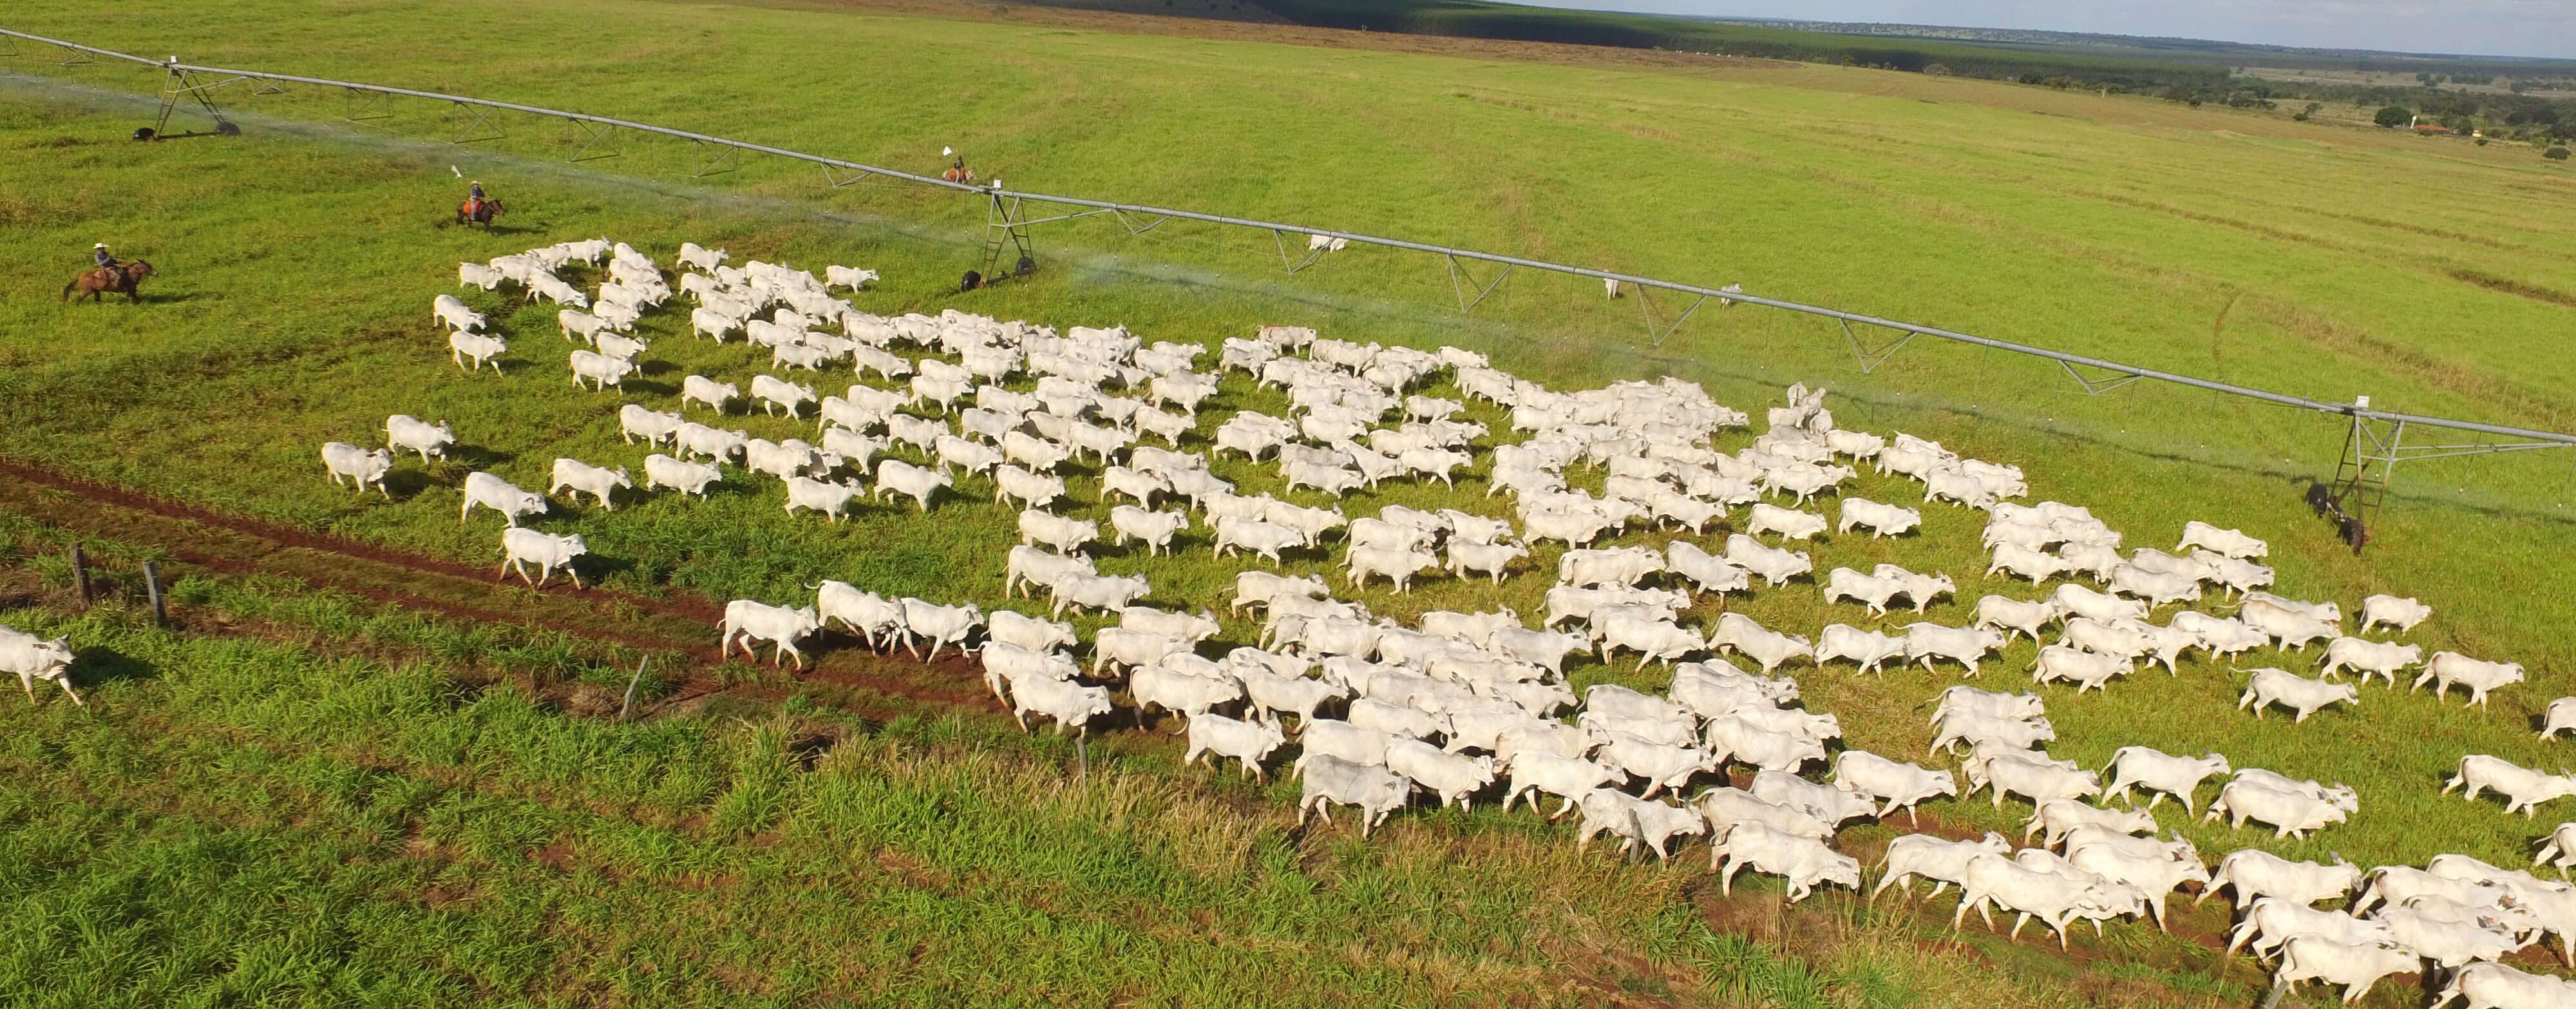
[2448, 668]
[895, 476]
[2161, 774]
[1880, 519]
[545, 550]
[2520, 786]
[1804, 861]
[1895, 784]
[1452, 777]
[2297, 693]
[1943, 861]
[362, 466]
[804, 492]
[2256, 874]
[406, 432]
[585, 478]
[602, 369]
[689, 478]
[850, 277]
[499, 495]
[654, 426]
[701, 389]
[449, 309]
[1155, 528]
[2226, 541]
[2380, 658]
[874, 618]
[1398, 566]
[1868, 648]
[775, 392]
[34, 658]
[2291, 813]
[482, 349]
[1327, 779]
[2400, 613]
[2356, 968]
[2497, 986]
[755, 621]
[1788, 522]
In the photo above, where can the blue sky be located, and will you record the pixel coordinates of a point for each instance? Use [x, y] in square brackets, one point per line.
[2489, 27]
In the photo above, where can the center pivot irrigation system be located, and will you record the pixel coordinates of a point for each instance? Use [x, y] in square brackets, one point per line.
[2377, 441]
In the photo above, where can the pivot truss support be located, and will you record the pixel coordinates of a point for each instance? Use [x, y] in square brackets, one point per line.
[718, 159]
[185, 85]
[360, 106]
[471, 131]
[1657, 330]
[1870, 358]
[2371, 452]
[1006, 233]
[1462, 280]
[1313, 251]
[590, 137]
[2098, 386]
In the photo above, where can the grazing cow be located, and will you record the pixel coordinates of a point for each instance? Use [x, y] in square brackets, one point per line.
[601, 369]
[1568, 778]
[895, 476]
[1327, 779]
[1737, 632]
[2291, 813]
[2520, 786]
[701, 389]
[585, 478]
[1032, 633]
[1155, 528]
[755, 621]
[2256, 874]
[824, 496]
[1031, 490]
[2383, 658]
[2087, 670]
[497, 494]
[34, 658]
[1966, 646]
[1452, 777]
[939, 625]
[2015, 615]
[2037, 779]
[449, 309]
[1067, 702]
[406, 432]
[1789, 523]
[874, 618]
[1870, 591]
[478, 275]
[362, 466]
[2078, 601]
[2029, 892]
[2161, 774]
[655, 427]
[2447, 668]
[1868, 648]
[1095, 592]
[1774, 564]
[2356, 968]
[2226, 541]
[1897, 784]
[2271, 921]
[1880, 519]
[2497, 986]
[689, 478]
[1943, 861]
[2153, 875]
[462, 345]
[2298, 693]
[2393, 611]
[1805, 861]
[850, 277]
[545, 550]
[1398, 566]
[775, 392]
[2053, 819]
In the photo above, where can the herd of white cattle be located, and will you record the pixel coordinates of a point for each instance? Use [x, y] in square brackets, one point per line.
[1469, 705]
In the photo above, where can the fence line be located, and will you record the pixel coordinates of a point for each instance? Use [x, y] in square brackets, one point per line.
[2376, 444]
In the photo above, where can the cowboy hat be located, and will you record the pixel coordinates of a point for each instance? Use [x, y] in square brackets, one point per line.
[100, 245]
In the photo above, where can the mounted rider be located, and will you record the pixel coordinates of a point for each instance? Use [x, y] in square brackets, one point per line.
[98, 254]
[474, 198]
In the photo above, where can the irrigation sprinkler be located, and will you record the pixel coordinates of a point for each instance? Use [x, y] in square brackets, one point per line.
[2376, 442]
[183, 83]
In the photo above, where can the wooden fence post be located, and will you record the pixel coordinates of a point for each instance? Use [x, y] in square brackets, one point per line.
[631, 682]
[152, 588]
[80, 573]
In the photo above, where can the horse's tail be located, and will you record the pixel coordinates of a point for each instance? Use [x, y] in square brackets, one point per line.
[67, 288]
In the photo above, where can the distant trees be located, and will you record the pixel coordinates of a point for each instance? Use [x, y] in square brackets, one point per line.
[2392, 116]
[1936, 70]
[2555, 154]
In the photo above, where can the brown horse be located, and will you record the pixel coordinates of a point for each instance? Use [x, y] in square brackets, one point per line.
[123, 278]
[481, 213]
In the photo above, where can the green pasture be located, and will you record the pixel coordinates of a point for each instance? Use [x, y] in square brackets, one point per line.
[300, 258]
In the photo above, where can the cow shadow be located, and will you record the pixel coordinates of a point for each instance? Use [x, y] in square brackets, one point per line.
[651, 388]
[101, 666]
[406, 484]
[655, 367]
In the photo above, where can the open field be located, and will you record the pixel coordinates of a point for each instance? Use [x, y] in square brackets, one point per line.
[299, 258]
